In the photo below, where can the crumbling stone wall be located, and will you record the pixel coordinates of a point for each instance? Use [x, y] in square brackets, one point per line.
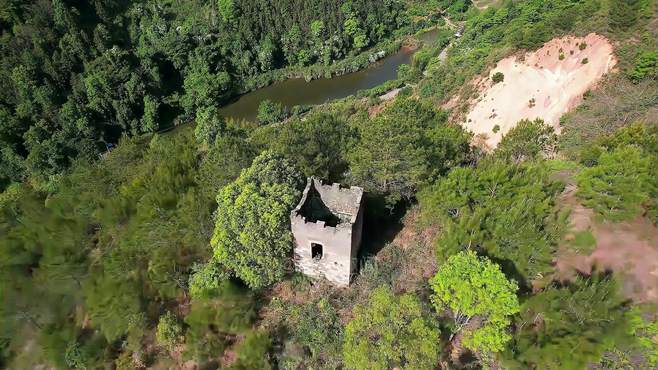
[340, 241]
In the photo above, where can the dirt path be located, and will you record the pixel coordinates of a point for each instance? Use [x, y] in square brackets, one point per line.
[545, 83]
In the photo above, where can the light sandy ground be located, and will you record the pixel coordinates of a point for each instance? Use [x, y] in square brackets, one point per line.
[555, 85]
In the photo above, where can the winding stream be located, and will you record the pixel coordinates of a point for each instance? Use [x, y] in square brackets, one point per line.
[297, 91]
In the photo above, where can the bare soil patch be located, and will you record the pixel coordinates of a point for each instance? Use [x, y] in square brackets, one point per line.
[629, 249]
[545, 83]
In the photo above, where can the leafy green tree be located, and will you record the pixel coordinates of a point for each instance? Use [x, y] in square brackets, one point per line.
[646, 66]
[226, 157]
[568, 326]
[270, 112]
[468, 203]
[168, 332]
[409, 144]
[209, 125]
[205, 84]
[315, 328]
[498, 77]
[216, 317]
[317, 144]
[478, 297]
[527, 140]
[390, 332]
[227, 9]
[620, 185]
[253, 352]
[624, 13]
[252, 237]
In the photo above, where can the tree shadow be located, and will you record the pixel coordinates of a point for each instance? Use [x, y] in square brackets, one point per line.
[511, 272]
[380, 225]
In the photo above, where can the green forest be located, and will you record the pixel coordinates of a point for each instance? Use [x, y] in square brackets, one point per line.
[139, 228]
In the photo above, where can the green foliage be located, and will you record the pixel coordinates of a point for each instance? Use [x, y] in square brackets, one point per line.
[78, 76]
[315, 329]
[587, 314]
[74, 357]
[624, 13]
[498, 77]
[407, 145]
[169, 332]
[270, 112]
[405, 337]
[528, 140]
[646, 66]
[215, 318]
[478, 297]
[252, 236]
[253, 352]
[209, 125]
[317, 144]
[468, 204]
[621, 185]
[226, 157]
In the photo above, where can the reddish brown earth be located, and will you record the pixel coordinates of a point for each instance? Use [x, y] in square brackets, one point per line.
[629, 249]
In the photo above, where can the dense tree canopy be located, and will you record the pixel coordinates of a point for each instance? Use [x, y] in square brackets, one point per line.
[527, 140]
[588, 315]
[78, 75]
[468, 203]
[390, 332]
[252, 236]
[407, 145]
[478, 297]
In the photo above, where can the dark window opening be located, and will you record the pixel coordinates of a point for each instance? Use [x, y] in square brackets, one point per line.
[316, 251]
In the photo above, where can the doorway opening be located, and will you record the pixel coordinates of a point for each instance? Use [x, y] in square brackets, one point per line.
[316, 251]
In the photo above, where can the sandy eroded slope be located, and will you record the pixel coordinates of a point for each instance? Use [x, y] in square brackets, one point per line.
[540, 86]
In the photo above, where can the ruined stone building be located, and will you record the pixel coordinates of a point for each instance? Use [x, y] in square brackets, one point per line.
[326, 226]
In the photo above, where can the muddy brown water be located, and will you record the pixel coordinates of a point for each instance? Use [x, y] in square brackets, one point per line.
[297, 91]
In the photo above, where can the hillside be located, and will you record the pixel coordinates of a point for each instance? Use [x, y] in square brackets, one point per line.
[508, 218]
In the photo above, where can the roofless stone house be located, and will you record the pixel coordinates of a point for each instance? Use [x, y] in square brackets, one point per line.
[326, 226]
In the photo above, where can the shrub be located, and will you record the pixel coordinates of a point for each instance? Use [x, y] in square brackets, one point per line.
[498, 77]
[646, 66]
[169, 331]
[467, 287]
[585, 61]
[270, 112]
[620, 185]
[527, 140]
[405, 338]
[582, 45]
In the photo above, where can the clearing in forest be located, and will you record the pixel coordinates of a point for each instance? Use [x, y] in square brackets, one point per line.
[545, 83]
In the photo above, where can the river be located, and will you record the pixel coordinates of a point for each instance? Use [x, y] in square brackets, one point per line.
[297, 91]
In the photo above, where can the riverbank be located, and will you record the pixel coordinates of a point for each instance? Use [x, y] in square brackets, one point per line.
[312, 86]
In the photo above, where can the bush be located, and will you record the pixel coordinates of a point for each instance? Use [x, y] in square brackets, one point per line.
[585, 61]
[405, 337]
[270, 112]
[646, 66]
[169, 331]
[498, 77]
[621, 185]
[527, 140]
